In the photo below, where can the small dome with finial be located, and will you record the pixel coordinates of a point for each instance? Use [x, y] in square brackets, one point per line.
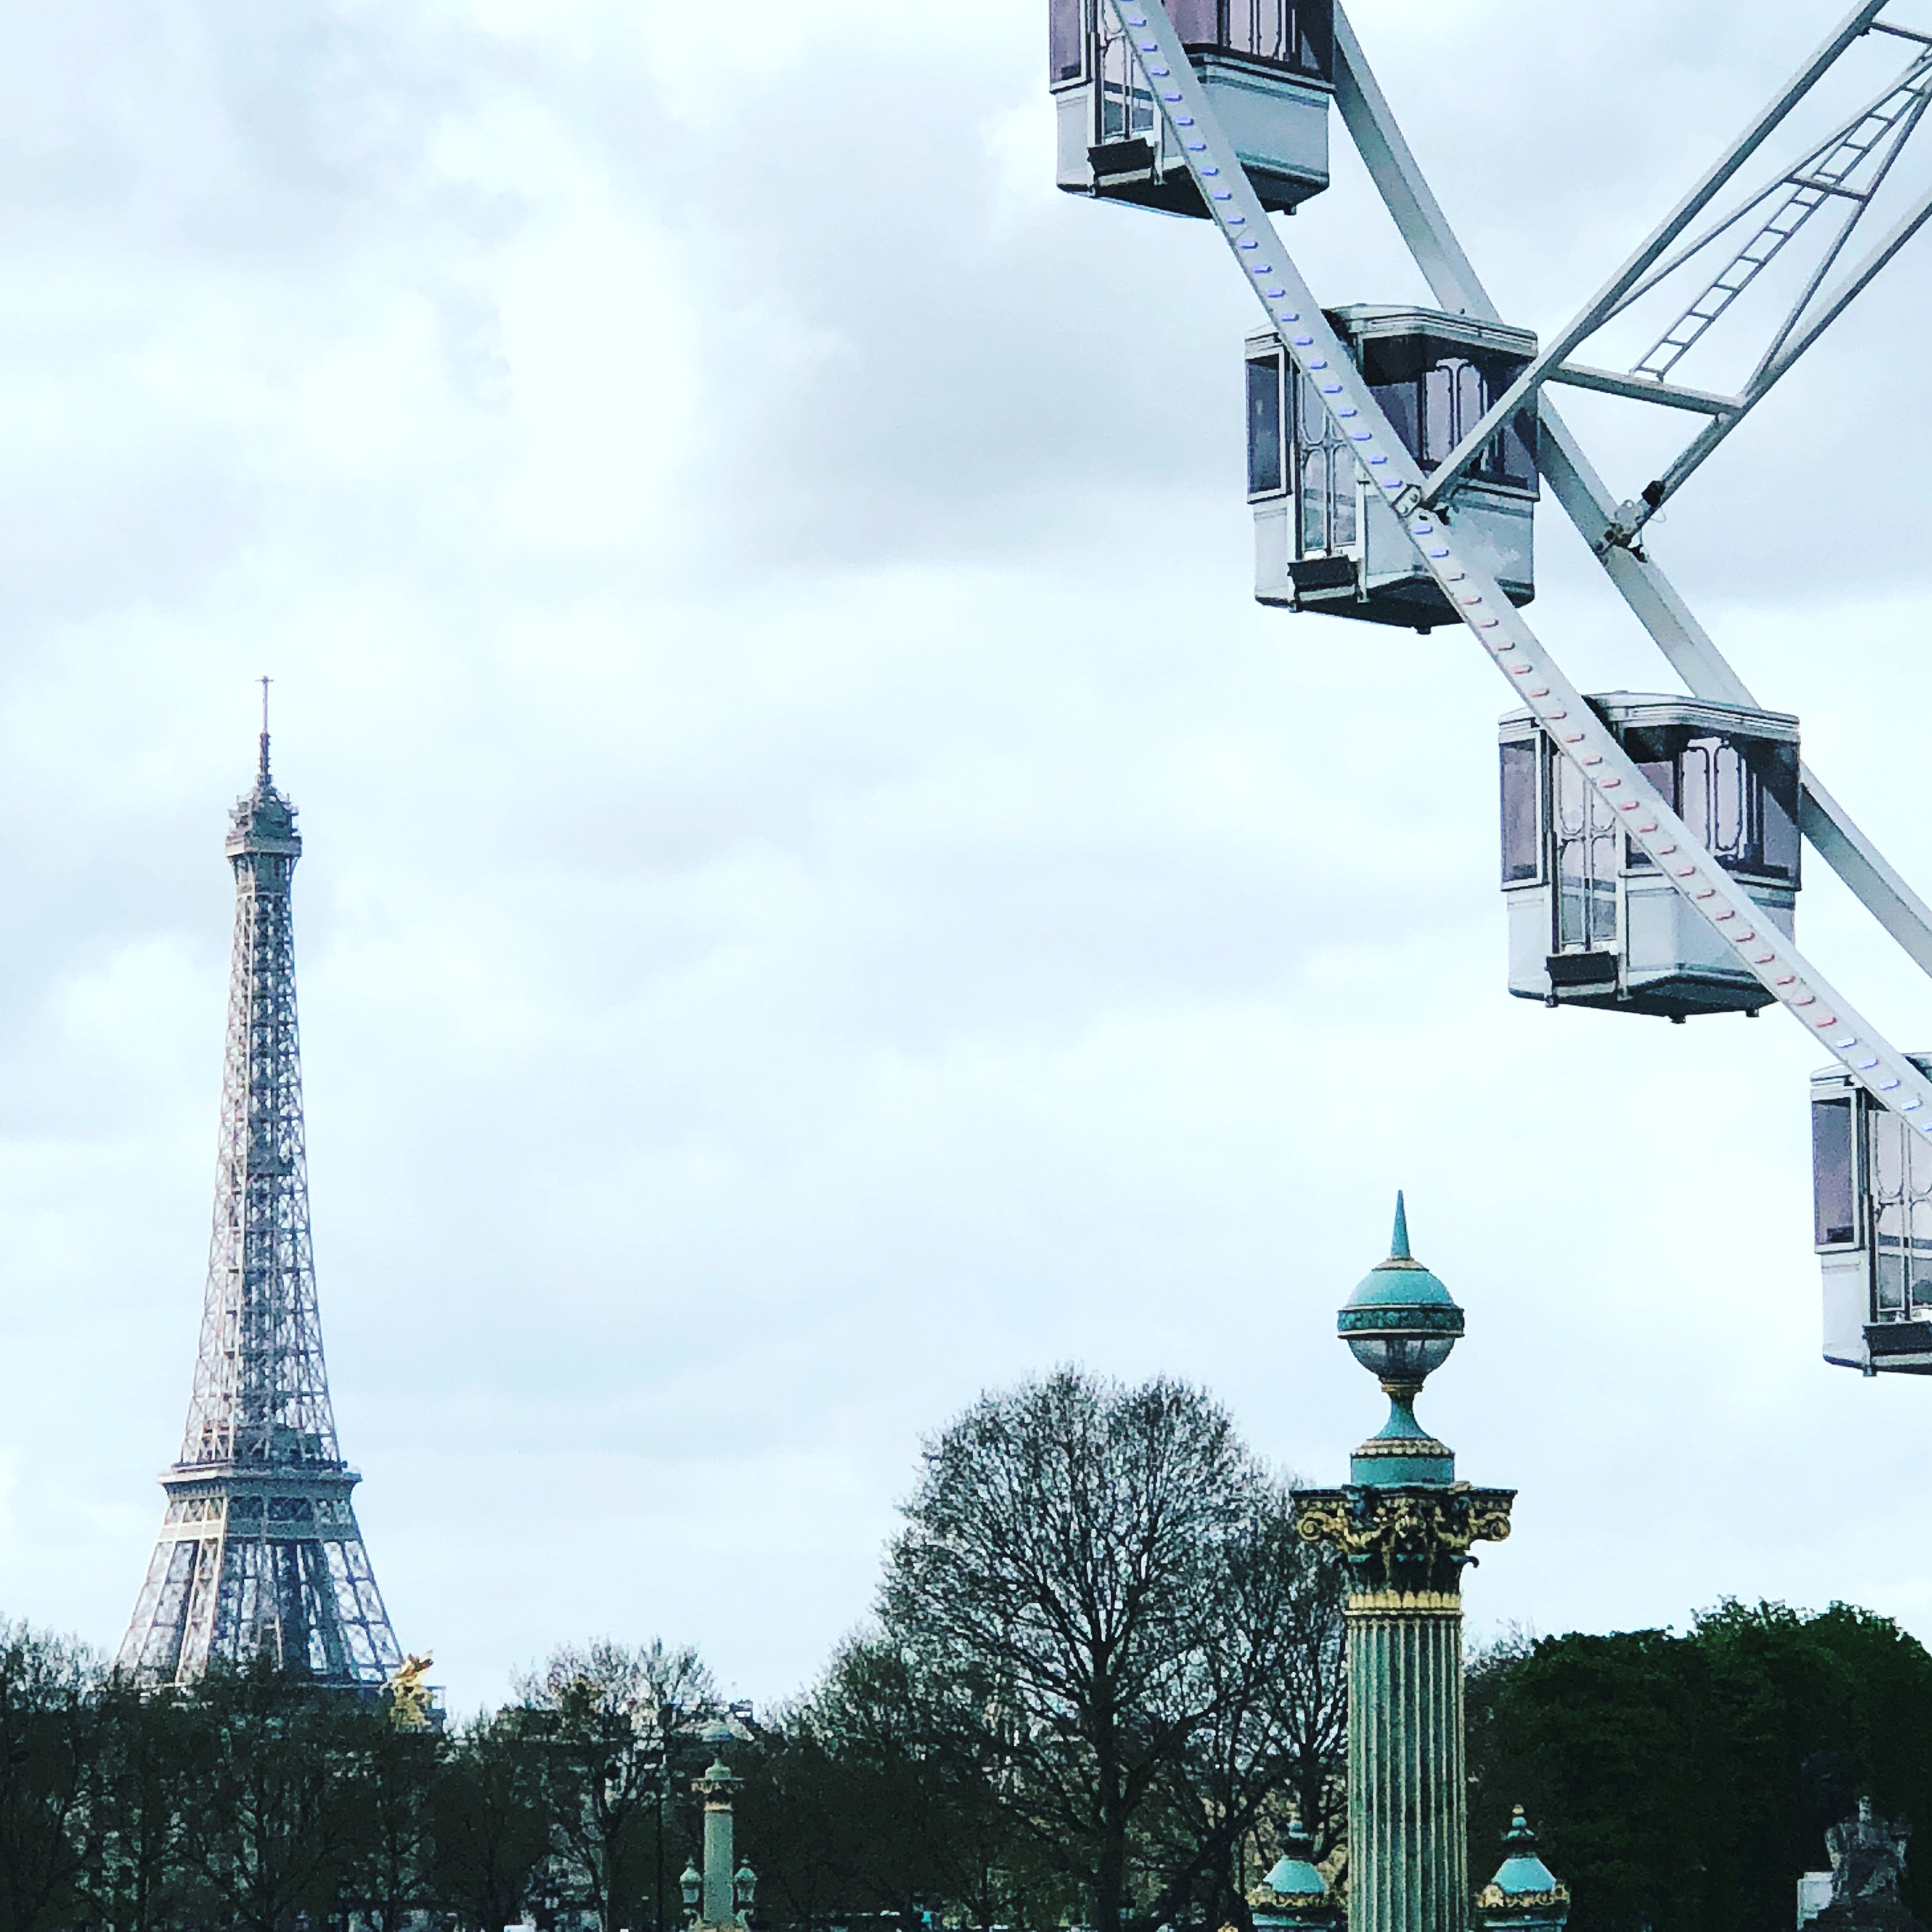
[1294, 1873]
[1525, 1895]
[1522, 1871]
[1295, 1896]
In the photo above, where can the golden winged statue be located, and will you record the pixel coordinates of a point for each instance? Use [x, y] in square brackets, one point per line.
[408, 1693]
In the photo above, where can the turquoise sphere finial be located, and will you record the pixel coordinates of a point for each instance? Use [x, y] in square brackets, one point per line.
[1400, 1323]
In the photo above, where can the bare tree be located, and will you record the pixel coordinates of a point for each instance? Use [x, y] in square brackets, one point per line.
[869, 1797]
[267, 1830]
[1098, 1579]
[609, 1717]
[1273, 1672]
[490, 1825]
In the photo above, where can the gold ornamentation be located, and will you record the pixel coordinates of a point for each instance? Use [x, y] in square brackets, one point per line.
[408, 1694]
[1493, 1898]
[1407, 1447]
[1409, 1539]
[1404, 1602]
[1322, 1516]
[1400, 1520]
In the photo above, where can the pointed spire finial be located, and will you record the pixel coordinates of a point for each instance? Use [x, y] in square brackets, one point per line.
[1398, 1241]
[264, 683]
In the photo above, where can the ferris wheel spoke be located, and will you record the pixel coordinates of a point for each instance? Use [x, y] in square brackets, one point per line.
[1588, 502]
[1357, 419]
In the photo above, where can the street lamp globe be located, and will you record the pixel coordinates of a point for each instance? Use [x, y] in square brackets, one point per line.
[1400, 1323]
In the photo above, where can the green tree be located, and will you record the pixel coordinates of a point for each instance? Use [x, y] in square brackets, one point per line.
[1604, 1740]
[1685, 1782]
[48, 1720]
[489, 1821]
[135, 1880]
[388, 1871]
[268, 1820]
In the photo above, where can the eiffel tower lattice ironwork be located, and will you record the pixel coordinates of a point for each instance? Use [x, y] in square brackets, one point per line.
[259, 1552]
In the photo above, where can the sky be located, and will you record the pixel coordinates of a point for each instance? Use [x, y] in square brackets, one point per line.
[823, 894]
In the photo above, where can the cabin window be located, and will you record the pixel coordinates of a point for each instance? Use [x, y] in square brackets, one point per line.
[1298, 34]
[1587, 838]
[1066, 40]
[1522, 829]
[1901, 1183]
[1435, 392]
[1737, 795]
[1266, 429]
[1327, 482]
[1834, 1173]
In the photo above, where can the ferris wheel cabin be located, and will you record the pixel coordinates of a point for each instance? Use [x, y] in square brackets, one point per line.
[1592, 922]
[1325, 540]
[1265, 64]
[1871, 1173]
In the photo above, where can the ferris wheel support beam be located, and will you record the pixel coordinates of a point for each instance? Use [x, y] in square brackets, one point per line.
[1652, 598]
[1644, 389]
[1611, 297]
[1633, 803]
[1841, 298]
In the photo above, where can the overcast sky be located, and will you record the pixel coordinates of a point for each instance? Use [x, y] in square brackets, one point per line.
[823, 893]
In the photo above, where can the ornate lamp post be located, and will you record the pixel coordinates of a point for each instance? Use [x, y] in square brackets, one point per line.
[1405, 1526]
[719, 1896]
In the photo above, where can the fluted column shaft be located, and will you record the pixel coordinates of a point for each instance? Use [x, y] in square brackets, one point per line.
[1407, 1802]
[1406, 1546]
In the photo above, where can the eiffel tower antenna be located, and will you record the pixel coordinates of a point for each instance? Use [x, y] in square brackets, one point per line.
[260, 1550]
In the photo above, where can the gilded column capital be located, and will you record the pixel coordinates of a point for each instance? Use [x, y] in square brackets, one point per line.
[1404, 1543]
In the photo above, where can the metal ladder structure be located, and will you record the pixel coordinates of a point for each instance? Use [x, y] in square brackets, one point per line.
[1843, 172]
[1877, 134]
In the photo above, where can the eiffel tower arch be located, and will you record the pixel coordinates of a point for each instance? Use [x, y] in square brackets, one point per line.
[259, 1552]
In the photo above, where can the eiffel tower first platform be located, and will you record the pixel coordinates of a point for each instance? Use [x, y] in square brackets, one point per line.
[260, 1550]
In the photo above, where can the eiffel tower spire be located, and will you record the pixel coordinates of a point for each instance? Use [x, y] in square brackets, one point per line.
[260, 1550]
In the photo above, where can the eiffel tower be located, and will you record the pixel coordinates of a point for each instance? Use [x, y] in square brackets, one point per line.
[260, 1550]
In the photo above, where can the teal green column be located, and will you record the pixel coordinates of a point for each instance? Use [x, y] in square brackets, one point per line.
[719, 1894]
[1407, 1857]
[716, 1786]
[1404, 1526]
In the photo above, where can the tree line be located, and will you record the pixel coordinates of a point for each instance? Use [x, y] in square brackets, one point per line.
[1101, 1668]
[1683, 1782]
[1102, 1674]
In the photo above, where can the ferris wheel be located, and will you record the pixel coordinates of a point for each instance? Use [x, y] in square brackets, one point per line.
[1650, 842]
